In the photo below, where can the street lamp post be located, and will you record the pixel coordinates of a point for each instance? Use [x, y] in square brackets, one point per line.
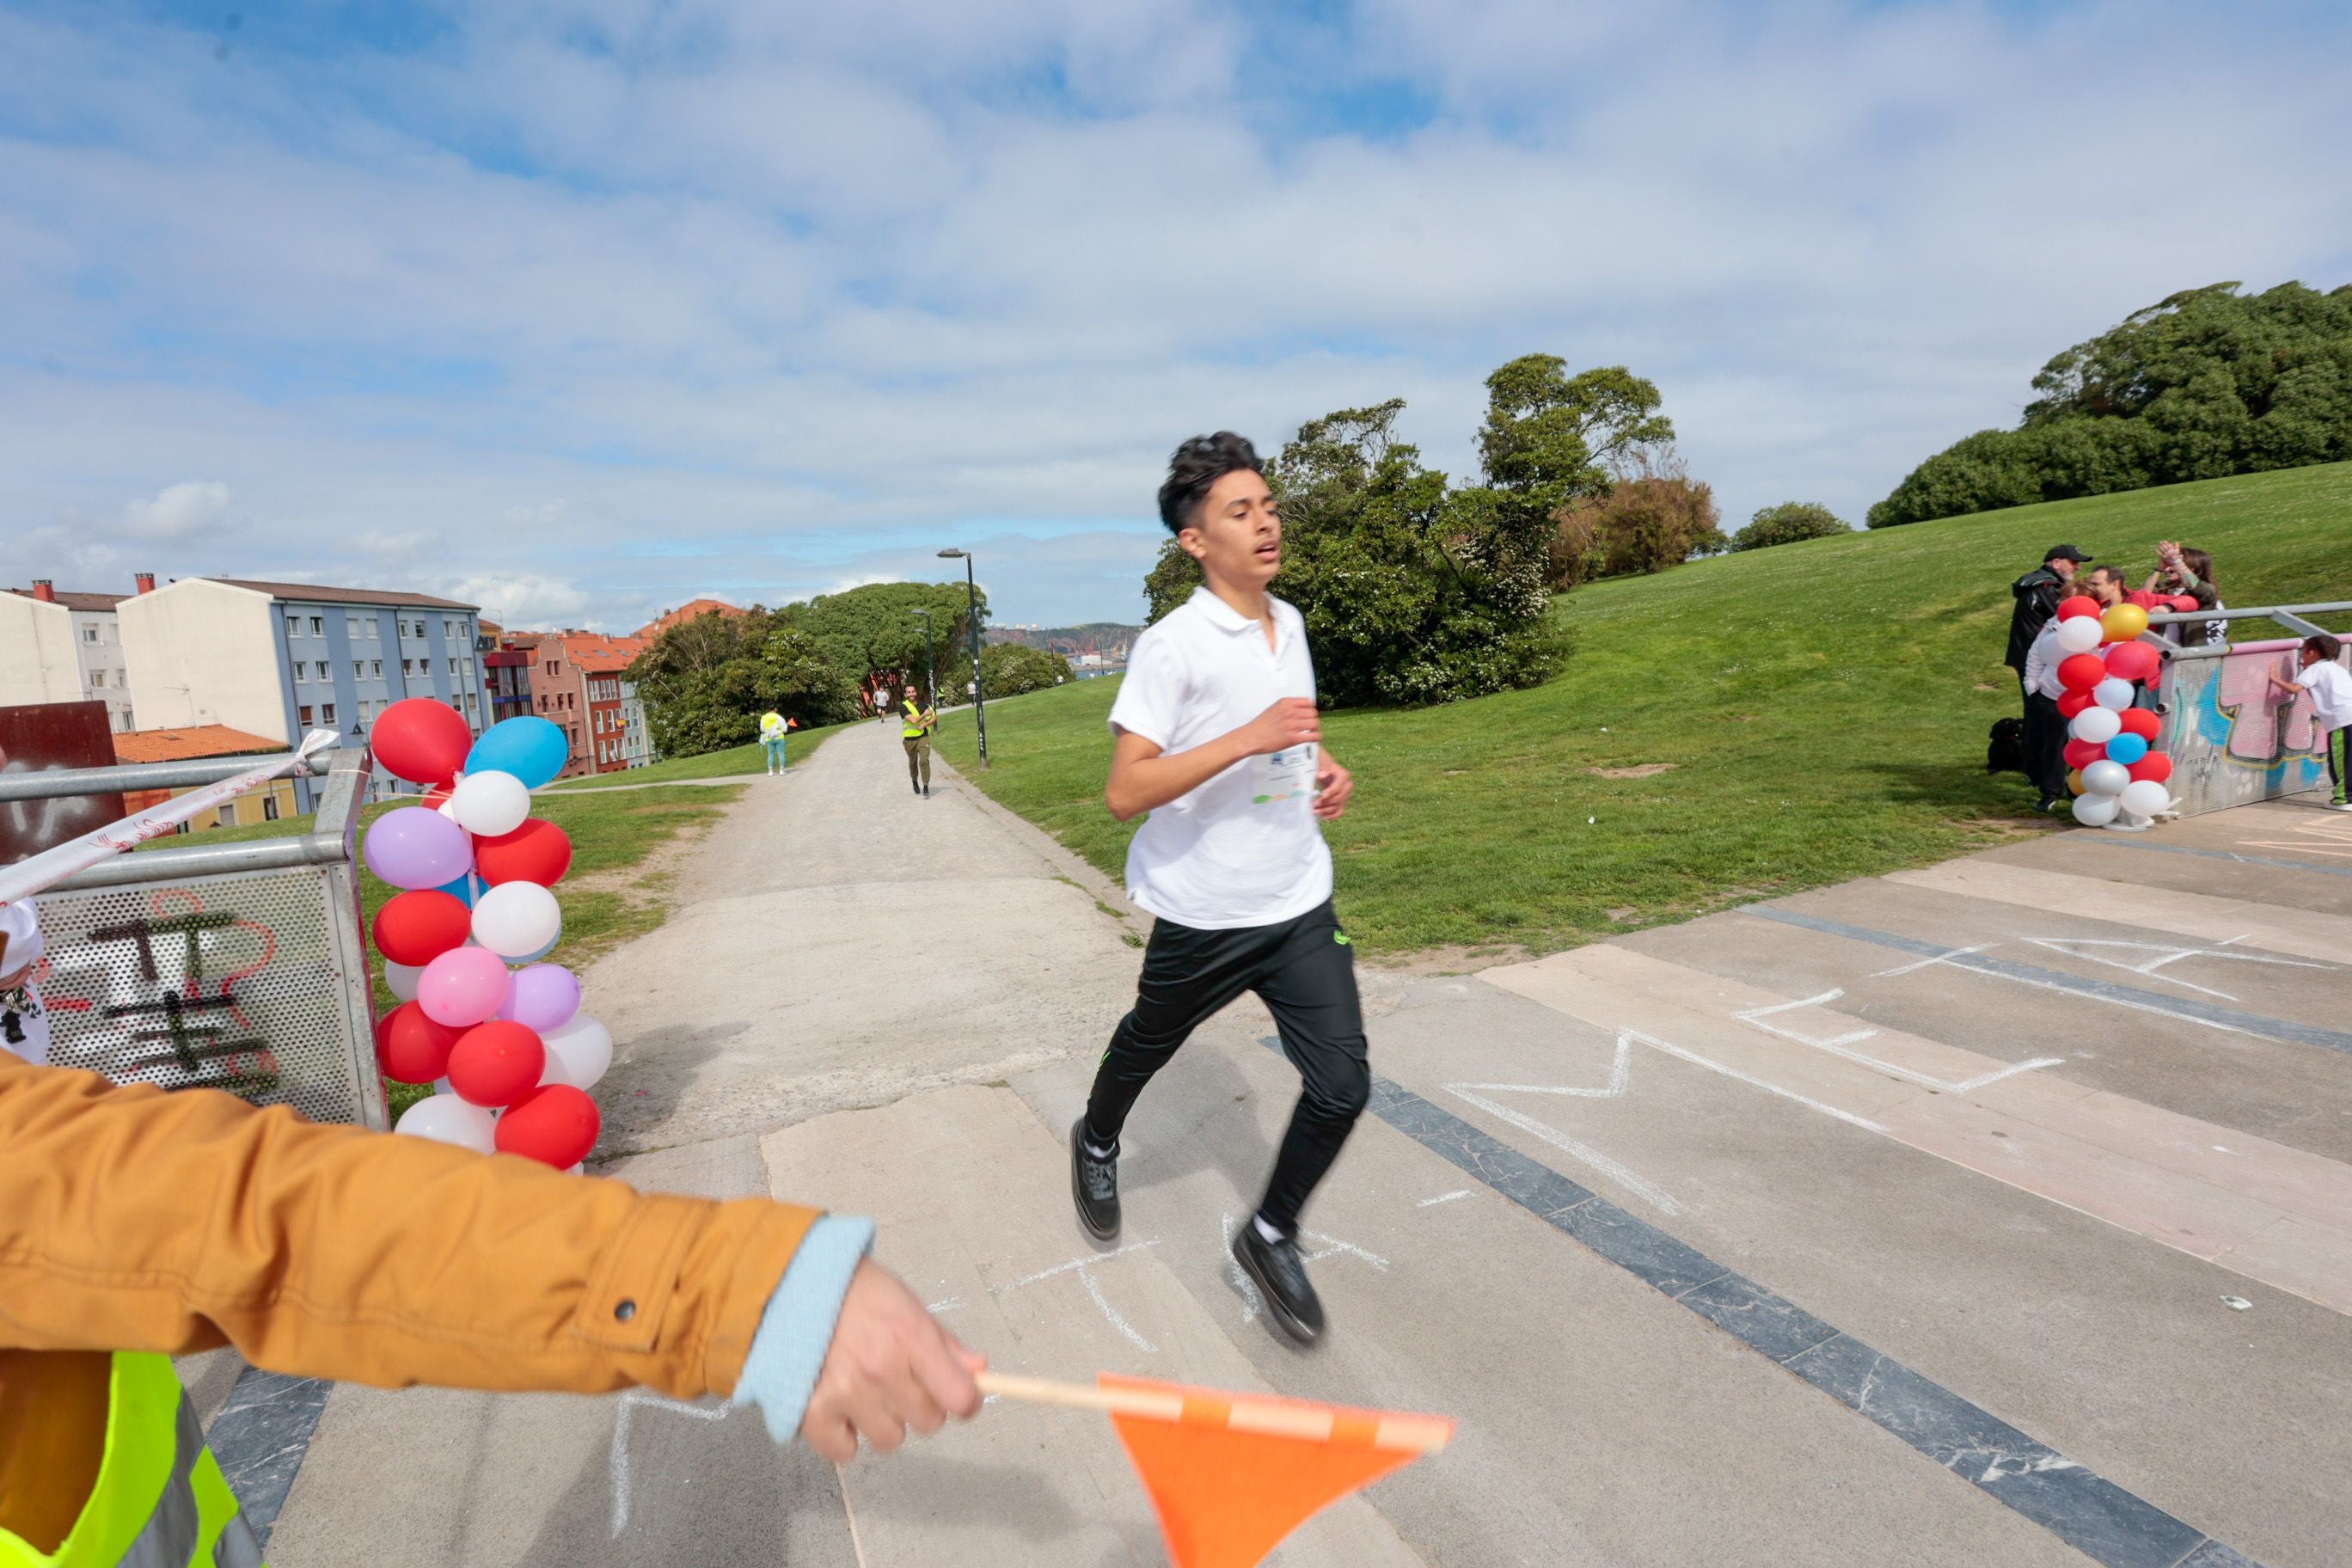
[931, 664]
[971, 598]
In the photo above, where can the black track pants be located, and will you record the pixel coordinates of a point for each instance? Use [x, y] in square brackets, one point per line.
[2044, 745]
[1305, 973]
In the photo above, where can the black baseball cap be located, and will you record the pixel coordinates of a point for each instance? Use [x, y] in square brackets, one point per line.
[2064, 552]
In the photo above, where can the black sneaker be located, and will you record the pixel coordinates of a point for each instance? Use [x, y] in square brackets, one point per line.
[1281, 1277]
[1094, 1186]
[2048, 803]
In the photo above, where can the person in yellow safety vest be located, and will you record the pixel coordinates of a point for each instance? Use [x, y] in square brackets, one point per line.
[915, 727]
[772, 739]
[158, 1498]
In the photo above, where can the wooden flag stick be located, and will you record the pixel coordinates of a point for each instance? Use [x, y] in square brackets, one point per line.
[1401, 1434]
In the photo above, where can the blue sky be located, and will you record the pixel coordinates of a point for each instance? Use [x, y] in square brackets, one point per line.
[582, 308]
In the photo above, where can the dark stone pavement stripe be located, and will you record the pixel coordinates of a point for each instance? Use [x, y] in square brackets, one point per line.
[2093, 1515]
[2260, 1024]
[2123, 841]
[261, 1438]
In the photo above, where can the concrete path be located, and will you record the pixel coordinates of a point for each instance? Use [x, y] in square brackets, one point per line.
[1991, 1213]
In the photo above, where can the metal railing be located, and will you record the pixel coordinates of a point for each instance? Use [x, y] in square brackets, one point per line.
[2291, 616]
[240, 966]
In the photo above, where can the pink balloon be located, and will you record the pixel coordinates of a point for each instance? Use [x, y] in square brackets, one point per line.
[544, 998]
[462, 987]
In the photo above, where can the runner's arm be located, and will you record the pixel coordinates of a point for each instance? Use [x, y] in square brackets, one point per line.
[1143, 779]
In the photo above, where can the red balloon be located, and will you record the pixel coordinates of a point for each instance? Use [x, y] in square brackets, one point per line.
[416, 927]
[2082, 753]
[556, 1125]
[2080, 605]
[2155, 767]
[410, 1047]
[421, 741]
[2140, 721]
[537, 851]
[2073, 703]
[2081, 671]
[2134, 661]
[496, 1063]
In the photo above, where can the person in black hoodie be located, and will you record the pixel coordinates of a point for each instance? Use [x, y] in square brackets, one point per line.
[2037, 595]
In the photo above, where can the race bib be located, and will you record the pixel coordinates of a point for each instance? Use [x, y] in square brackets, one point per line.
[1283, 775]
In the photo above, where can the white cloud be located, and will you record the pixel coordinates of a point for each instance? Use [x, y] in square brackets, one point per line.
[177, 512]
[521, 601]
[777, 299]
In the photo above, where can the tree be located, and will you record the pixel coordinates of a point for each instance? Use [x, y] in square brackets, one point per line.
[1412, 592]
[1010, 669]
[705, 682]
[1787, 523]
[2207, 383]
[1656, 516]
[873, 628]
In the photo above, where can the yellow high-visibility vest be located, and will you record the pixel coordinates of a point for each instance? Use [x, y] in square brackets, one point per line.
[160, 1500]
[914, 724]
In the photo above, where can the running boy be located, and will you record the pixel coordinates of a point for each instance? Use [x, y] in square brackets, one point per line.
[2331, 706]
[1215, 734]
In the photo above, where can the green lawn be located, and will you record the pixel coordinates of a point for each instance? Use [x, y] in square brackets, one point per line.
[729, 763]
[1819, 711]
[608, 897]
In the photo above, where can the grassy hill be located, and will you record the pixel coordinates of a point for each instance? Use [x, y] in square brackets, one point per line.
[1731, 730]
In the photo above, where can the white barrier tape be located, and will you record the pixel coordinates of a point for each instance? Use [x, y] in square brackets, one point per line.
[53, 865]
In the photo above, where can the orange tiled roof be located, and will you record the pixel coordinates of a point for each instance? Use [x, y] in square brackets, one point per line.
[597, 654]
[76, 601]
[685, 612]
[189, 744]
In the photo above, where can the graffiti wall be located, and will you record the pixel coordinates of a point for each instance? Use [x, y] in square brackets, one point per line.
[2232, 739]
[230, 983]
[43, 737]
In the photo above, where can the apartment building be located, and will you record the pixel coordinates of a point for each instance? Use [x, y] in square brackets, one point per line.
[280, 659]
[64, 646]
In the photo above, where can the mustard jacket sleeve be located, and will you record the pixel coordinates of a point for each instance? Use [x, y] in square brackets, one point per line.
[135, 1219]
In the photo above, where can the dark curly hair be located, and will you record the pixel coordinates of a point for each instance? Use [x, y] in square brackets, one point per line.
[1198, 464]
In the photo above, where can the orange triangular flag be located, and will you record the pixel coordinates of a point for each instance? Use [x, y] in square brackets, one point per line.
[1234, 1474]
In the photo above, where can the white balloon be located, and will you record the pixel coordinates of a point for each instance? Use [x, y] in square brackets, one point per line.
[2105, 777]
[2095, 726]
[2080, 634]
[582, 1047]
[2094, 810]
[515, 920]
[2113, 692]
[490, 803]
[445, 1118]
[400, 978]
[2145, 797]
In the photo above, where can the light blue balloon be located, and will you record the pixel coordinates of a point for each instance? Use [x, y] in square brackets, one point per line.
[2127, 748]
[462, 890]
[542, 952]
[528, 746]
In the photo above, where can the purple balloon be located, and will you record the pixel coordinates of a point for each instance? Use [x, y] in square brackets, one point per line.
[417, 847]
[463, 986]
[543, 997]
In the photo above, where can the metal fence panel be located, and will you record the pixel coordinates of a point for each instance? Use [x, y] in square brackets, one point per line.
[238, 982]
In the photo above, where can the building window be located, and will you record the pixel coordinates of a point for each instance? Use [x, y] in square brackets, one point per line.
[469, 704]
[226, 815]
[269, 806]
[351, 629]
[317, 625]
[90, 634]
[326, 712]
[293, 626]
[448, 631]
[96, 677]
[358, 670]
[303, 713]
[376, 667]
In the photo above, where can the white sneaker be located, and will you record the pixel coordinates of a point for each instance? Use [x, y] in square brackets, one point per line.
[2340, 805]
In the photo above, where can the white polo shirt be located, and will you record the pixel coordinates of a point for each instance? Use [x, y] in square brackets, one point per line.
[2331, 696]
[1244, 849]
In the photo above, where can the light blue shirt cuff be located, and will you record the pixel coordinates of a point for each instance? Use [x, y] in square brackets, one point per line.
[796, 1329]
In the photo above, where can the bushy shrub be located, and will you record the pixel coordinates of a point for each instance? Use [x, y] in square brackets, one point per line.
[1010, 669]
[1658, 518]
[1787, 523]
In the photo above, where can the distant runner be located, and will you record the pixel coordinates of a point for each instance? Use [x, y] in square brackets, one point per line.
[1216, 736]
[772, 730]
[916, 724]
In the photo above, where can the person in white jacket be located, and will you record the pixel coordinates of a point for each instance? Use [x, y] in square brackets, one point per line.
[24, 1020]
[2044, 741]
